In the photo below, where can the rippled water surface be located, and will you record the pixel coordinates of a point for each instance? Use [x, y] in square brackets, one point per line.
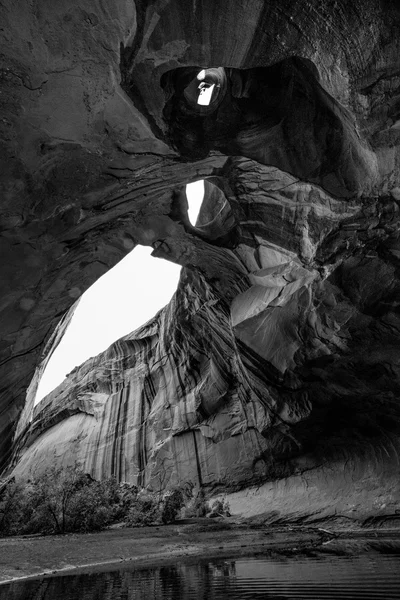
[363, 577]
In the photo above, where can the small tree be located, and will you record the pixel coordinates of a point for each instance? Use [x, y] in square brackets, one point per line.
[51, 495]
[66, 499]
[144, 511]
[62, 500]
[11, 501]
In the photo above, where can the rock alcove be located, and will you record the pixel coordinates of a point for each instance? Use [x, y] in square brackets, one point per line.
[120, 301]
[278, 115]
[276, 363]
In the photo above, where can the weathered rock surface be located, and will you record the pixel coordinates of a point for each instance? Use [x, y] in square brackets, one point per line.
[277, 360]
[262, 367]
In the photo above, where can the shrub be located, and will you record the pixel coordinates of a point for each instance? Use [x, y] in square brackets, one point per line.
[89, 510]
[171, 506]
[63, 500]
[144, 511]
[57, 501]
[149, 509]
[198, 507]
[220, 508]
[11, 508]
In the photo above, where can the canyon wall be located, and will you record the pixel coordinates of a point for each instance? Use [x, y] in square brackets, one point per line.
[276, 363]
[273, 362]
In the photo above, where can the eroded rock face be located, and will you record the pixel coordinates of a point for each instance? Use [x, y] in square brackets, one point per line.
[263, 366]
[278, 357]
[278, 115]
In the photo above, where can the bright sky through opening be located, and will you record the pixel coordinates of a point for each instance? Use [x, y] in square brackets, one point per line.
[205, 94]
[118, 303]
[194, 194]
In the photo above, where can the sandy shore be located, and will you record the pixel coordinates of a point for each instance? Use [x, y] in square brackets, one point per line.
[32, 556]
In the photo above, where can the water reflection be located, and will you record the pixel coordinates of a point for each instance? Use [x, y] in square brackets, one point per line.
[366, 577]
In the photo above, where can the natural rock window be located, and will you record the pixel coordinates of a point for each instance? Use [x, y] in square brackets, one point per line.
[264, 113]
[204, 89]
[195, 195]
[119, 302]
[205, 93]
[209, 213]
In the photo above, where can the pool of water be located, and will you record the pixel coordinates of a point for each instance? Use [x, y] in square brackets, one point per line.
[363, 577]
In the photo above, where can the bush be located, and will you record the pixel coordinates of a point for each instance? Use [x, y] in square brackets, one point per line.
[11, 508]
[89, 509]
[198, 507]
[59, 501]
[66, 500]
[63, 500]
[144, 511]
[149, 509]
[220, 508]
[172, 504]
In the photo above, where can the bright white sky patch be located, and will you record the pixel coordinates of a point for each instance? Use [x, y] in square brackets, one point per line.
[205, 94]
[194, 194]
[118, 303]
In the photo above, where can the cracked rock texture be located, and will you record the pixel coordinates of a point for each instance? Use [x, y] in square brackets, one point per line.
[276, 363]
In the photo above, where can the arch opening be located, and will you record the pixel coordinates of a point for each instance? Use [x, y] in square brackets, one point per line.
[119, 302]
[195, 197]
[279, 115]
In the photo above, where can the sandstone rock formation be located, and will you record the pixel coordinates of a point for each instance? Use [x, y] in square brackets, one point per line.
[276, 362]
